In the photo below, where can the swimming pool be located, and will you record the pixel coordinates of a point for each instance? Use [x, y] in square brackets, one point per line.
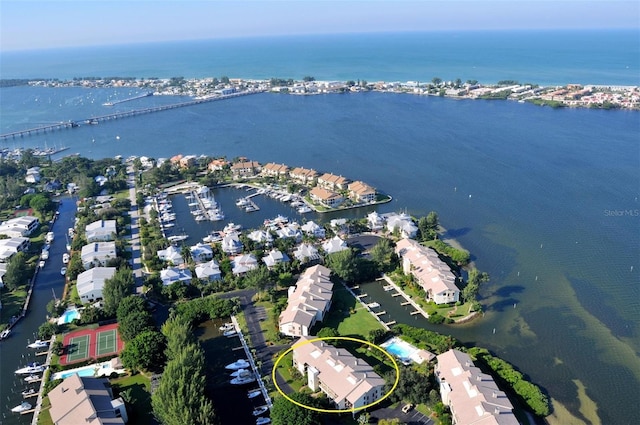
[399, 348]
[69, 316]
[81, 371]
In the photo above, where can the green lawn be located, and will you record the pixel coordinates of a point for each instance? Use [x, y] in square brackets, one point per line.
[285, 370]
[348, 316]
[12, 304]
[139, 388]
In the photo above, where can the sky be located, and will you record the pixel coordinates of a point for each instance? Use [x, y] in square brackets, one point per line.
[27, 24]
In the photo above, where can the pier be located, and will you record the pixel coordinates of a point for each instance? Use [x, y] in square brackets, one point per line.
[118, 115]
[407, 301]
[140, 96]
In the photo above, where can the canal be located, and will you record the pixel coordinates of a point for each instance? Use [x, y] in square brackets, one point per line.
[13, 351]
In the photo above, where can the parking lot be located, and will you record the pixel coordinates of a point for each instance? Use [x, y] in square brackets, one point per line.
[413, 417]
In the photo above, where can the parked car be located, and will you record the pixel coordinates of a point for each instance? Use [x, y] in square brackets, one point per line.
[407, 408]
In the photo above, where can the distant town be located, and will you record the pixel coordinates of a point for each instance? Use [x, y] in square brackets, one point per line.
[570, 95]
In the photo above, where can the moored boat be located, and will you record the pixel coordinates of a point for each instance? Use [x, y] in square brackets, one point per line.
[230, 332]
[30, 369]
[243, 380]
[38, 343]
[263, 421]
[239, 364]
[24, 406]
[5, 333]
[260, 410]
[27, 393]
[254, 393]
[32, 378]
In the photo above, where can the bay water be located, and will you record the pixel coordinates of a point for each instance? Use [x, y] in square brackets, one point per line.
[546, 200]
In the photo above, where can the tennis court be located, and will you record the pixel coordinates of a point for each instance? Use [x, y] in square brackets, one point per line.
[91, 343]
[78, 348]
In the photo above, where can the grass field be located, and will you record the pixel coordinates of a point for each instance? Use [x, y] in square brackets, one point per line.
[348, 316]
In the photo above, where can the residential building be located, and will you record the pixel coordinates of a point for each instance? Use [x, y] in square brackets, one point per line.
[275, 257]
[208, 271]
[375, 221]
[19, 226]
[326, 197]
[245, 169]
[243, 263]
[231, 243]
[10, 247]
[402, 223]
[187, 161]
[290, 230]
[33, 175]
[306, 253]
[97, 254]
[91, 283]
[175, 274]
[261, 236]
[303, 175]
[472, 396]
[201, 252]
[350, 382]
[308, 302]
[361, 192]
[335, 244]
[217, 164]
[101, 231]
[275, 170]
[83, 400]
[312, 229]
[171, 255]
[332, 182]
[431, 273]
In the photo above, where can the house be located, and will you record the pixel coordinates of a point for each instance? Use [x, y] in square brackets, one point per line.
[361, 192]
[326, 197]
[472, 396]
[172, 255]
[375, 221]
[10, 247]
[101, 231]
[3, 271]
[33, 175]
[217, 164]
[275, 170]
[187, 161]
[231, 243]
[260, 236]
[312, 229]
[350, 382]
[97, 254]
[303, 175]
[201, 252]
[100, 180]
[84, 400]
[208, 271]
[175, 274]
[291, 230]
[275, 257]
[91, 282]
[332, 182]
[19, 226]
[403, 223]
[243, 263]
[431, 273]
[308, 302]
[245, 169]
[306, 253]
[335, 244]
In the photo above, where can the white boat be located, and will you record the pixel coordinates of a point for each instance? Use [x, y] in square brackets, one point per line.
[41, 264]
[304, 209]
[32, 378]
[231, 227]
[38, 343]
[21, 407]
[65, 258]
[240, 364]
[230, 332]
[30, 369]
[49, 238]
[263, 421]
[242, 202]
[30, 391]
[243, 380]
[168, 225]
[177, 238]
[63, 271]
[373, 305]
[45, 254]
[254, 393]
[241, 373]
[5, 333]
[260, 410]
[226, 327]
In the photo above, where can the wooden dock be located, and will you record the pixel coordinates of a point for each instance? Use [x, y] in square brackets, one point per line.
[393, 322]
[397, 294]
[31, 395]
[42, 353]
[380, 313]
[26, 412]
[413, 313]
[405, 303]
[361, 296]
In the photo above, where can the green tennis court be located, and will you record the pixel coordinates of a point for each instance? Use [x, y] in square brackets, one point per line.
[107, 342]
[78, 348]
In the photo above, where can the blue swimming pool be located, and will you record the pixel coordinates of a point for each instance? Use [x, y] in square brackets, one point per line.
[399, 348]
[82, 371]
[69, 316]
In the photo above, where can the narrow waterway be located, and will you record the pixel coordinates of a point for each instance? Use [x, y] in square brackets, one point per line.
[13, 351]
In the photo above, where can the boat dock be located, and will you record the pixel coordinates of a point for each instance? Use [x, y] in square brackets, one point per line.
[117, 115]
[407, 301]
[360, 297]
[140, 96]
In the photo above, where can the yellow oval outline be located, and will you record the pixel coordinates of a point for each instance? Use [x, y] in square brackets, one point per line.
[346, 338]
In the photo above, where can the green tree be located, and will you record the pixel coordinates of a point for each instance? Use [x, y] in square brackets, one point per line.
[18, 272]
[384, 256]
[47, 330]
[145, 352]
[116, 289]
[328, 333]
[41, 203]
[344, 264]
[178, 333]
[285, 412]
[133, 324]
[129, 305]
[436, 81]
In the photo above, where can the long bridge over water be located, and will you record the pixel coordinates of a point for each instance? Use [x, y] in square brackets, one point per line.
[118, 115]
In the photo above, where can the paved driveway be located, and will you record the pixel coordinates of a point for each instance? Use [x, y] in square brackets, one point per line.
[413, 417]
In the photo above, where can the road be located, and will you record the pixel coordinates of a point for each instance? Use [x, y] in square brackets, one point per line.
[134, 214]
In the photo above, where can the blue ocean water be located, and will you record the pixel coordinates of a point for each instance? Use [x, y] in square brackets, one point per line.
[546, 200]
[542, 57]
